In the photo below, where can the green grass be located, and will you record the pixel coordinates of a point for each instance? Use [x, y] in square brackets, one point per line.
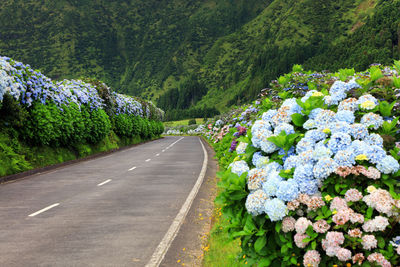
[221, 251]
[181, 122]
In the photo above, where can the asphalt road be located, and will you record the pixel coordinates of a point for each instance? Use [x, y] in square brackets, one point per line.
[109, 211]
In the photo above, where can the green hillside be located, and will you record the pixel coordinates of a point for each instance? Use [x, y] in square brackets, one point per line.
[197, 57]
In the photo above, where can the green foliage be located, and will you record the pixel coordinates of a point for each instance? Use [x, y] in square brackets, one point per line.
[192, 121]
[345, 73]
[385, 108]
[311, 103]
[43, 127]
[123, 125]
[284, 140]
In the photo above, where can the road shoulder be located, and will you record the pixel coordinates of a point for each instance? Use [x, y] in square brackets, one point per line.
[188, 247]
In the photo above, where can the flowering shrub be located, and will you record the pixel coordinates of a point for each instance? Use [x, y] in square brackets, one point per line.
[315, 180]
[65, 113]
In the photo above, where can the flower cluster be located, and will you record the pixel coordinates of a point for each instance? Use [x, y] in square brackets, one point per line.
[339, 148]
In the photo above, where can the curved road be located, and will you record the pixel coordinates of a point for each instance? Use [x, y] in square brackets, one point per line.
[109, 211]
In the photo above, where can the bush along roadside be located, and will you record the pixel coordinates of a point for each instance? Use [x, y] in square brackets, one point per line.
[313, 178]
[41, 119]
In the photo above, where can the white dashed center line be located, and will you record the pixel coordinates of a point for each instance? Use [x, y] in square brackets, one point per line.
[147, 160]
[105, 182]
[131, 169]
[157, 154]
[43, 210]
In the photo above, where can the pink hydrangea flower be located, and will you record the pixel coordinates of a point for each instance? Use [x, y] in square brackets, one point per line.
[369, 242]
[355, 232]
[321, 226]
[288, 224]
[302, 224]
[358, 258]
[343, 254]
[338, 204]
[298, 240]
[311, 258]
[353, 195]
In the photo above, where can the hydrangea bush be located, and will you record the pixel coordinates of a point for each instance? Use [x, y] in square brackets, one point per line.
[69, 111]
[315, 179]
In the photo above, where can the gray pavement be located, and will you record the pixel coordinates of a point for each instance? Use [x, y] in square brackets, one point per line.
[112, 211]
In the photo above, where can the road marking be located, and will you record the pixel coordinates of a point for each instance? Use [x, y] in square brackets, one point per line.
[147, 160]
[163, 150]
[157, 154]
[43, 210]
[131, 169]
[105, 182]
[166, 242]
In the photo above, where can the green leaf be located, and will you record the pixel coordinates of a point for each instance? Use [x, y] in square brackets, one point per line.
[381, 242]
[284, 249]
[375, 73]
[369, 213]
[397, 65]
[298, 119]
[278, 226]
[314, 244]
[260, 243]
[396, 82]
[297, 68]
[264, 262]
[293, 260]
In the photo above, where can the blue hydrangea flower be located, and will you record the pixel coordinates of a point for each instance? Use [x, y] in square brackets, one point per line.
[373, 120]
[272, 167]
[314, 113]
[268, 147]
[304, 145]
[267, 116]
[239, 167]
[374, 139]
[293, 106]
[321, 151]
[259, 160]
[308, 95]
[308, 186]
[275, 209]
[287, 190]
[345, 158]
[255, 178]
[290, 162]
[270, 186]
[324, 168]
[303, 172]
[305, 157]
[339, 141]
[346, 116]
[255, 202]
[310, 124]
[366, 98]
[375, 154]
[315, 135]
[388, 165]
[287, 128]
[350, 104]
[324, 117]
[339, 127]
[359, 147]
[241, 148]
[358, 131]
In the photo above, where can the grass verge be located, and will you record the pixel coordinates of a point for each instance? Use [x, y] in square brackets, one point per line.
[221, 251]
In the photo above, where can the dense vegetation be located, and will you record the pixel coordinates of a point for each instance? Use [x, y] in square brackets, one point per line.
[310, 173]
[206, 55]
[68, 119]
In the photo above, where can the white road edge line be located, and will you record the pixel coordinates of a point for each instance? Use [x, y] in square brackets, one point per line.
[166, 242]
[103, 183]
[131, 169]
[43, 210]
